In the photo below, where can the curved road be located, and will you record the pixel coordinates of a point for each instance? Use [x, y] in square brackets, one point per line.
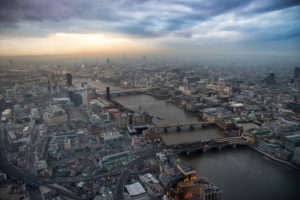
[119, 191]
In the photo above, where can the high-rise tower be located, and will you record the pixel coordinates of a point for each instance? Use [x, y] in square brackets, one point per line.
[69, 79]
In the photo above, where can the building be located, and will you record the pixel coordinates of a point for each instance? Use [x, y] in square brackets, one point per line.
[152, 134]
[41, 167]
[169, 179]
[187, 90]
[270, 79]
[2, 176]
[282, 154]
[185, 169]
[296, 156]
[148, 178]
[195, 189]
[55, 116]
[61, 101]
[76, 98]
[85, 99]
[6, 115]
[292, 142]
[69, 79]
[46, 193]
[111, 136]
[297, 72]
[107, 93]
[113, 160]
[268, 145]
[136, 190]
[67, 143]
[138, 119]
[11, 94]
[122, 120]
[211, 114]
[152, 186]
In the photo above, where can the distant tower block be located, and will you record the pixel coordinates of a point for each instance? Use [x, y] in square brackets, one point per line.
[108, 62]
[107, 93]
[297, 72]
[124, 58]
[270, 79]
[69, 79]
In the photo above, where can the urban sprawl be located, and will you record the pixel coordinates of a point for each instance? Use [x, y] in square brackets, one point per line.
[63, 137]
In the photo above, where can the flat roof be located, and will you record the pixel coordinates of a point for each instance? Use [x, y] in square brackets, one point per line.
[135, 189]
[12, 135]
[148, 177]
[6, 111]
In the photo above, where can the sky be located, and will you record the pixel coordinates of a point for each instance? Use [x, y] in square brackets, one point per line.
[188, 27]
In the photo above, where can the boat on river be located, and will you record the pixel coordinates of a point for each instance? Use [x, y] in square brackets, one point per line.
[160, 117]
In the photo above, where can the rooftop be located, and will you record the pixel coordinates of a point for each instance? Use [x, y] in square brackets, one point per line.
[135, 189]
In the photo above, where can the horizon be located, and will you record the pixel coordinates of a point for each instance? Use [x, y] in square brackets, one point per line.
[190, 29]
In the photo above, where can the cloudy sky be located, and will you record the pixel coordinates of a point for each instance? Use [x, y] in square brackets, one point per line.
[256, 27]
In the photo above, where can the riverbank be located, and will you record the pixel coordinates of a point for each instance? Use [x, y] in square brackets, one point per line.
[118, 104]
[276, 159]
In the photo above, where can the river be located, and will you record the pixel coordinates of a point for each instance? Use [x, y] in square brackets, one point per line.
[243, 173]
[240, 173]
[171, 114]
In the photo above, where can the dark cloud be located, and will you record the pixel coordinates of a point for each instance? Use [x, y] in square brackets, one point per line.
[146, 18]
[56, 10]
[273, 5]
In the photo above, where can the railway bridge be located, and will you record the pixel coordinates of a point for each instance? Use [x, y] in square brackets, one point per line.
[126, 92]
[211, 144]
[178, 125]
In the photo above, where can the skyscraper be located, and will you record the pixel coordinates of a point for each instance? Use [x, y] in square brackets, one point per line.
[108, 62]
[124, 58]
[297, 72]
[69, 79]
[270, 79]
[107, 93]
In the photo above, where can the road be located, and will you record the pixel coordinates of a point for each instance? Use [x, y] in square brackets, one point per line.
[119, 191]
[30, 150]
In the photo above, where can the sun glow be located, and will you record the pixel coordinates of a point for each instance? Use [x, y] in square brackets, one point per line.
[72, 43]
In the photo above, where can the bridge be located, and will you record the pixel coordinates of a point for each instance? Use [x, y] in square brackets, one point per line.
[126, 92]
[210, 144]
[181, 124]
